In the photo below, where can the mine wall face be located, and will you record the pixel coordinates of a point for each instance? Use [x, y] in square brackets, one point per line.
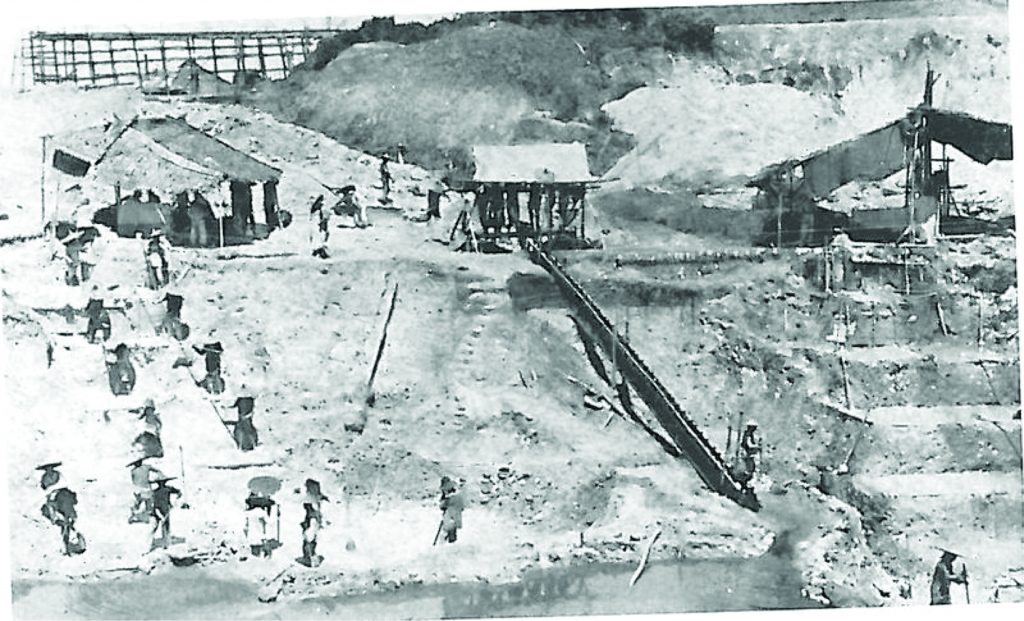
[909, 425]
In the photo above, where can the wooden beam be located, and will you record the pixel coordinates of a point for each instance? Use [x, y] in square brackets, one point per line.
[138, 64]
[284, 59]
[74, 69]
[113, 62]
[213, 49]
[163, 64]
[92, 61]
[263, 64]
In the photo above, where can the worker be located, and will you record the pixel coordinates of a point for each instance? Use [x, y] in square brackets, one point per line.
[401, 150]
[98, 318]
[311, 523]
[245, 433]
[199, 214]
[839, 249]
[943, 576]
[142, 476]
[212, 382]
[750, 446]
[59, 508]
[171, 323]
[162, 510]
[120, 372]
[451, 510]
[259, 519]
[349, 205]
[149, 444]
[73, 245]
[157, 263]
[92, 248]
[385, 178]
[323, 227]
[150, 419]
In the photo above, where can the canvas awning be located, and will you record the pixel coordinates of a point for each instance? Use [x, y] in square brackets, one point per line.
[880, 153]
[981, 140]
[535, 163]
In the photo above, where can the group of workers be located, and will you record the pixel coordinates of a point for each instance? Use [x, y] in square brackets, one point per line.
[153, 493]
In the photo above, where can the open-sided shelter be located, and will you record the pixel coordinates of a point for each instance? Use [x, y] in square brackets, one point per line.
[167, 174]
[536, 190]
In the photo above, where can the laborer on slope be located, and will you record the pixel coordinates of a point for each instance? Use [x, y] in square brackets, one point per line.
[158, 265]
[349, 205]
[171, 322]
[943, 576]
[385, 178]
[92, 247]
[212, 382]
[245, 434]
[750, 449]
[162, 510]
[120, 372]
[142, 478]
[98, 318]
[323, 232]
[311, 523]
[59, 508]
[452, 506]
[259, 519]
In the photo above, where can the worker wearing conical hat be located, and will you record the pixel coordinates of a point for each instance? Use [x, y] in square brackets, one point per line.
[60, 508]
[162, 505]
[212, 352]
[150, 418]
[943, 575]
[142, 475]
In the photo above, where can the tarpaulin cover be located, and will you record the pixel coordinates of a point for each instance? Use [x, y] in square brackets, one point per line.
[541, 163]
[873, 156]
[981, 140]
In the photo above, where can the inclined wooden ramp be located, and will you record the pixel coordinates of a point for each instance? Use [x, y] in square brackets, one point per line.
[677, 425]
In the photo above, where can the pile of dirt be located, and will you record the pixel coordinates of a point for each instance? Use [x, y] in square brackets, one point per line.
[706, 124]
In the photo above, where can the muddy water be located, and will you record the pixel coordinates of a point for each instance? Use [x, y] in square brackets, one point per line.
[767, 582]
